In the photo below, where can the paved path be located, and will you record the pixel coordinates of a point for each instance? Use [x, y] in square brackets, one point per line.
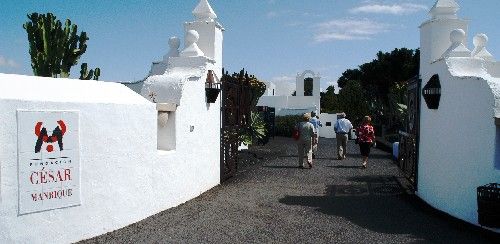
[273, 201]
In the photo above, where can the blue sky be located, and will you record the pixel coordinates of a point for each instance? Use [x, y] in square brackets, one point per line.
[273, 39]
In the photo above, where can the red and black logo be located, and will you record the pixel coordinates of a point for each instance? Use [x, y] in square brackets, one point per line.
[43, 137]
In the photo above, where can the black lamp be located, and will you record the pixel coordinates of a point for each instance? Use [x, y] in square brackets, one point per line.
[432, 92]
[212, 88]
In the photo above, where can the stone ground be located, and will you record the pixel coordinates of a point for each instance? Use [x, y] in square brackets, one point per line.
[270, 200]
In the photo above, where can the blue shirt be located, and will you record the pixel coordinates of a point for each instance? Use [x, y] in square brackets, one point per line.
[342, 126]
[316, 123]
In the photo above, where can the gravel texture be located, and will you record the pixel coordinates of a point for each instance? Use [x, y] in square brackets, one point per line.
[271, 200]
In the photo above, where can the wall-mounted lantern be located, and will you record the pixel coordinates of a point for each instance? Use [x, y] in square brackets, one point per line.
[212, 87]
[432, 92]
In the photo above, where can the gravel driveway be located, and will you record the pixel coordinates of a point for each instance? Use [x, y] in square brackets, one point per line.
[271, 200]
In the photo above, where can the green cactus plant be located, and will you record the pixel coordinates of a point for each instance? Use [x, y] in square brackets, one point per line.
[86, 74]
[54, 49]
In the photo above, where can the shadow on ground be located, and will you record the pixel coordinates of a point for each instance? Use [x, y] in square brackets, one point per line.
[357, 156]
[381, 204]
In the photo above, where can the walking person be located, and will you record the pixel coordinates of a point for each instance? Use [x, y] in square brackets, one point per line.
[342, 128]
[366, 138]
[315, 141]
[304, 144]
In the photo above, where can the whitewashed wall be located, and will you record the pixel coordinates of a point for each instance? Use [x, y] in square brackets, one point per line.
[292, 102]
[327, 131]
[493, 68]
[123, 177]
[457, 144]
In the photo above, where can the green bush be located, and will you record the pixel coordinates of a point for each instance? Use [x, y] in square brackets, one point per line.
[256, 131]
[285, 124]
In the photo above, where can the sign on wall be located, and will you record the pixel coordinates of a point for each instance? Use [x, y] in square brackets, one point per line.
[48, 160]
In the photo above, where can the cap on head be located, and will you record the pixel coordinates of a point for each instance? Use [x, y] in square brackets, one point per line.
[306, 117]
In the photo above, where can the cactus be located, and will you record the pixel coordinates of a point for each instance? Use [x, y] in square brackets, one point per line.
[54, 49]
[89, 74]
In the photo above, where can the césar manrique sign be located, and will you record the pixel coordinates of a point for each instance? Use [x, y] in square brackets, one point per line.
[48, 160]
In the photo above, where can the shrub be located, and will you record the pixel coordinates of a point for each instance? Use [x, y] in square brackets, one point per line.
[256, 131]
[285, 124]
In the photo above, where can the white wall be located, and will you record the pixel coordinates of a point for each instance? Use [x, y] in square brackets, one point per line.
[493, 69]
[327, 131]
[289, 102]
[211, 39]
[123, 177]
[435, 38]
[457, 144]
[136, 86]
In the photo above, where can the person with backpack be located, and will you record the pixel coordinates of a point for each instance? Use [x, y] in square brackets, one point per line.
[304, 140]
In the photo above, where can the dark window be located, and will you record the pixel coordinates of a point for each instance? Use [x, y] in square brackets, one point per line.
[328, 123]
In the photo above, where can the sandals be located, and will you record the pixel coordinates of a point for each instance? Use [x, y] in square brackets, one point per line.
[310, 164]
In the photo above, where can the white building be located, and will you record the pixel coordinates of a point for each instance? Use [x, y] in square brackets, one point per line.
[127, 158]
[293, 105]
[459, 147]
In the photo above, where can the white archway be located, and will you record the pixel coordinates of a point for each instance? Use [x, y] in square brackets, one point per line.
[299, 84]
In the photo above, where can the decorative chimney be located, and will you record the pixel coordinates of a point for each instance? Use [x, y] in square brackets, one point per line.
[210, 33]
[435, 32]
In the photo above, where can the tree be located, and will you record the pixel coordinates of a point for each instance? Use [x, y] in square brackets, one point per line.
[352, 101]
[256, 128]
[348, 75]
[54, 49]
[383, 83]
[328, 100]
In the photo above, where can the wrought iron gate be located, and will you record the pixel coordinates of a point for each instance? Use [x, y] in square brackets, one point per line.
[409, 139]
[235, 114]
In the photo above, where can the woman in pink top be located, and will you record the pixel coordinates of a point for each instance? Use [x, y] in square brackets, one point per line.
[366, 138]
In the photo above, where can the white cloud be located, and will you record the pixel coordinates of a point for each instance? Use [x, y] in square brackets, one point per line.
[5, 62]
[280, 13]
[291, 13]
[348, 29]
[395, 9]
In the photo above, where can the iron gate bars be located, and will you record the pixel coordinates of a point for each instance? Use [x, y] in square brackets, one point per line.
[409, 139]
[235, 115]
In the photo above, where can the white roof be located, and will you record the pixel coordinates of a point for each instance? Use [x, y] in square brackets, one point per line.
[204, 11]
[475, 67]
[446, 4]
[444, 7]
[32, 88]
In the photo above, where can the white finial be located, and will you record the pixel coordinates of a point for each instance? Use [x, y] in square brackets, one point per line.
[191, 48]
[457, 36]
[480, 41]
[204, 11]
[457, 48]
[444, 9]
[174, 43]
